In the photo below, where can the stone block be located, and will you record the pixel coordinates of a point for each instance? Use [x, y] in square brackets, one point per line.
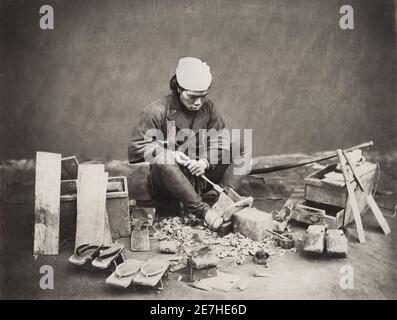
[336, 243]
[314, 239]
[252, 223]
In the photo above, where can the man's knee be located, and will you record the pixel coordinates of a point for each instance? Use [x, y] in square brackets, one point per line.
[165, 169]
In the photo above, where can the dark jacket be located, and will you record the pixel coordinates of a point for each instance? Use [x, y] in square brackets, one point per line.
[161, 113]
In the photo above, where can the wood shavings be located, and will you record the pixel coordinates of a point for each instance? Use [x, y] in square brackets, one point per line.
[232, 245]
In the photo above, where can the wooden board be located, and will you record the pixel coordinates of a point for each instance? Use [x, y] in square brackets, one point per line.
[378, 214]
[91, 204]
[140, 238]
[107, 236]
[47, 203]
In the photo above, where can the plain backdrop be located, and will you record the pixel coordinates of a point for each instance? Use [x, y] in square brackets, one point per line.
[283, 68]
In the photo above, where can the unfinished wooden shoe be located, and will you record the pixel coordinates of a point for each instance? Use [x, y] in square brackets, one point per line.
[314, 239]
[336, 243]
[237, 206]
[213, 220]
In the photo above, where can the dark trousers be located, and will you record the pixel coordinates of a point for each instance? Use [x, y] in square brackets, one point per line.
[167, 182]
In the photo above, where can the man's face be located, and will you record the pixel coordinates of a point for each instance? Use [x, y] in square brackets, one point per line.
[192, 100]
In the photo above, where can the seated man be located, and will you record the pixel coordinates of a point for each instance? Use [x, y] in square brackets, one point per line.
[183, 136]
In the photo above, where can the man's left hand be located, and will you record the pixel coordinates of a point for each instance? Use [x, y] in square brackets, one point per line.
[197, 167]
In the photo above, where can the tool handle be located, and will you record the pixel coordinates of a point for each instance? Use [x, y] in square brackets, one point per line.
[306, 162]
[218, 188]
[360, 146]
[277, 235]
[208, 180]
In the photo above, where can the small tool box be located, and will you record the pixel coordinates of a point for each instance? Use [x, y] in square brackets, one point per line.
[326, 200]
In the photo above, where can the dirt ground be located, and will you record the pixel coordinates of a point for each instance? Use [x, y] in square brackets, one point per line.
[293, 274]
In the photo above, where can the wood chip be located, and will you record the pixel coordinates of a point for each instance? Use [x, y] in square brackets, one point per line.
[262, 275]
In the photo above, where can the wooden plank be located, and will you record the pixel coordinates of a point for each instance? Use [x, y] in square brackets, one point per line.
[378, 214]
[47, 203]
[352, 199]
[91, 204]
[107, 236]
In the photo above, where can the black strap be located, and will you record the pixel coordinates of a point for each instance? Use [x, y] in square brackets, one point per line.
[85, 247]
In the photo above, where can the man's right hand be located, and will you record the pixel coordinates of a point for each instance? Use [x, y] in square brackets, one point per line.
[182, 158]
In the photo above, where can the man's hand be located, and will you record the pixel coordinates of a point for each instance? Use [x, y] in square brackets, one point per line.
[197, 167]
[182, 158]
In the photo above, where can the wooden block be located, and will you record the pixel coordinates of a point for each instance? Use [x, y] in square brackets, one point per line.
[169, 246]
[140, 238]
[91, 205]
[336, 243]
[193, 274]
[47, 203]
[147, 215]
[204, 261]
[314, 239]
[223, 203]
[70, 168]
[252, 223]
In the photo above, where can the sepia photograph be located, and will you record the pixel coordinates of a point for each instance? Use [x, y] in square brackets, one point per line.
[217, 152]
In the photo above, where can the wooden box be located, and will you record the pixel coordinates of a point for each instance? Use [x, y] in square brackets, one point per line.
[323, 192]
[313, 213]
[117, 207]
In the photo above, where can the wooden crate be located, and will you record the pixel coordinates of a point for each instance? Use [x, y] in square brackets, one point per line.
[322, 192]
[117, 207]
